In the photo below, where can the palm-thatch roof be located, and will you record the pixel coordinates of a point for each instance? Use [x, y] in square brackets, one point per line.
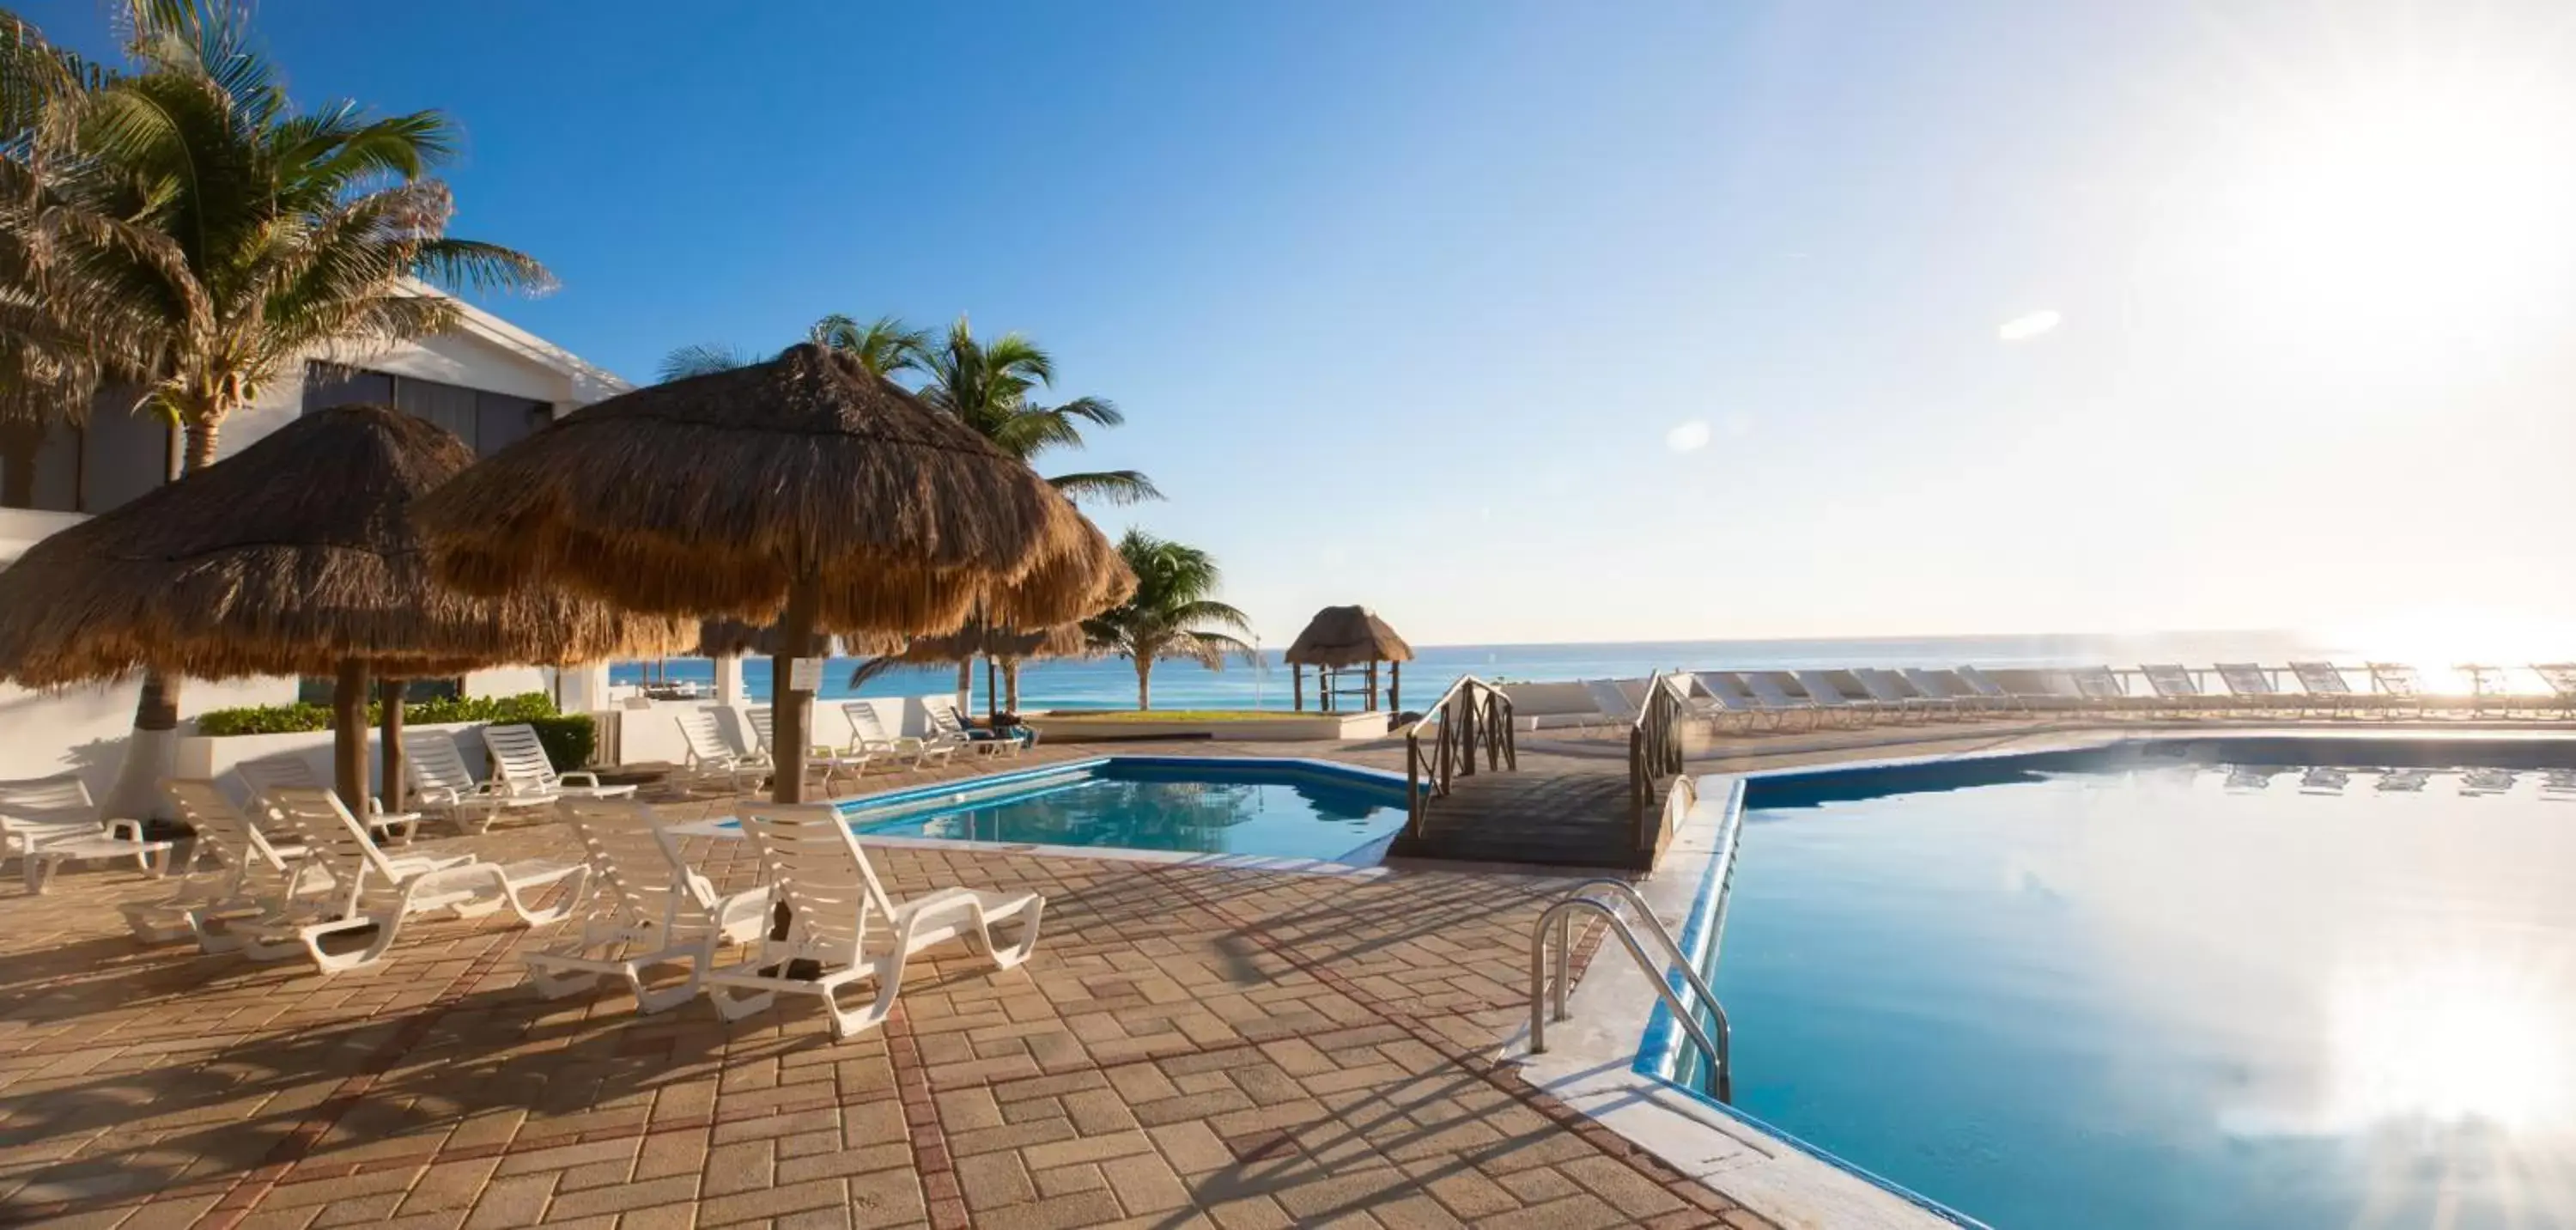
[727, 638]
[1347, 636]
[293, 557]
[715, 495]
[979, 641]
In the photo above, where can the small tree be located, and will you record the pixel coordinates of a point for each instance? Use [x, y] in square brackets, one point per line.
[1173, 615]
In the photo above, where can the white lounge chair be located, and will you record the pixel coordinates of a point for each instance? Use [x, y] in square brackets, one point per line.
[711, 756]
[249, 877]
[2326, 688]
[1776, 700]
[2100, 688]
[823, 758]
[442, 784]
[646, 908]
[2397, 687]
[2484, 781]
[868, 734]
[1890, 691]
[522, 767]
[2560, 678]
[2249, 685]
[2173, 684]
[1831, 699]
[371, 890]
[1728, 699]
[1995, 695]
[1946, 687]
[267, 773]
[2324, 779]
[48, 821]
[947, 724]
[843, 922]
[1612, 700]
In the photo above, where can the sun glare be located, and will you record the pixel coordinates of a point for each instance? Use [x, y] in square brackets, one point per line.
[2407, 196]
[2448, 1044]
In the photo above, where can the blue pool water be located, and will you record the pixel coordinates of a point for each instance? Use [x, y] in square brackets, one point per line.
[2156, 994]
[1199, 806]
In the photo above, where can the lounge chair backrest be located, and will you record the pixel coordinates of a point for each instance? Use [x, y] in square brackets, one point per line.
[707, 744]
[1726, 689]
[1980, 683]
[1610, 698]
[220, 827]
[2320, 679]
[1766, 689]
[1820, 687]
[2560, 676]
[2097, 683]
[944, 719]
[2394, 678]
[816, 867]
[333, 838]
[764, 729]
[864, 723]
[1881, 686]
[434, 765]
[2486, 680]
[2246, 679]
[633, 863]
[47, 798]
[2170, 679]
[518, 757]
[1934, 685]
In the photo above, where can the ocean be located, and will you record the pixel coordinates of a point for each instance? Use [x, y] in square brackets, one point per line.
[1111, 683]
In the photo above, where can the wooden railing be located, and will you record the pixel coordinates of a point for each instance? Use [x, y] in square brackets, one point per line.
[1654, 753]
[1471, 716]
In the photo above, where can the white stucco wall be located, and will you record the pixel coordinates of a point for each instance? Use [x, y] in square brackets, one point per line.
[653, 734]
[83, 730]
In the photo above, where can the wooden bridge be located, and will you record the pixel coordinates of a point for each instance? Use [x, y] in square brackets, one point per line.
[1473, 802]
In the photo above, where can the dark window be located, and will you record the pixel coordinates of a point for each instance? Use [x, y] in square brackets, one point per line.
[487, 422]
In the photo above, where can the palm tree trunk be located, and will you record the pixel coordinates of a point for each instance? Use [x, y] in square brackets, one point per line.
[390, 694]
[152, 749]
[349, 736]
[1011, 687]
[966, 685]
[1144, 684]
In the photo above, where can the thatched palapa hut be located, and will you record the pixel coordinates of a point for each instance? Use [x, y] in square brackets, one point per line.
[1337, 639]
[804, 490]
[296, 556]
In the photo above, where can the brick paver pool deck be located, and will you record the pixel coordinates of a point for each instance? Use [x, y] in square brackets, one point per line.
[1192, 1045]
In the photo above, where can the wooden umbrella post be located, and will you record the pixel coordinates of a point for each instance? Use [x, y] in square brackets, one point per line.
[1372, 687]
[390, 694]
[349, 734]
[788, 704]
[992, 690]
[1395, 686]
[1297, 687]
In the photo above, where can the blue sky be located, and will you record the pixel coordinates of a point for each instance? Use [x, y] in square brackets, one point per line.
[1594, 322]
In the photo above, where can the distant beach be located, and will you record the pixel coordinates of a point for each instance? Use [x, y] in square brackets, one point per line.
[1111, 683]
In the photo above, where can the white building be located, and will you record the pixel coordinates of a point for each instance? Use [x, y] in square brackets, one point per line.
[488, 381]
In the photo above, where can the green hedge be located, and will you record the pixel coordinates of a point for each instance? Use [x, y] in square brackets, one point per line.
[570, 738]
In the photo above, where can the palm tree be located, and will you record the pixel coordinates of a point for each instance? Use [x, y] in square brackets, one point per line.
[988, 386]
[1173, 615]
[241, 235]
[882, 346]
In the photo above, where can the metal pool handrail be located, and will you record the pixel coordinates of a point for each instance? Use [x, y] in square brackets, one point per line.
[1559, 920]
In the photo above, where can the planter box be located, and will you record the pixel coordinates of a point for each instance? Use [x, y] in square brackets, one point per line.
[1074, 727]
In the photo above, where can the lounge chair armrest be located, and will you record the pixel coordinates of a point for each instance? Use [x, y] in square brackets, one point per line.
[125, 830]
[584, 778]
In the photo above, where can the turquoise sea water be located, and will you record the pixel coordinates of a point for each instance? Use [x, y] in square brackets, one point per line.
[1181, 685]
[1212, 807]
[2265, 996]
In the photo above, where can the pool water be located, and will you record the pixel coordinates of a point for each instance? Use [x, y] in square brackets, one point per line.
[1201, 807]
[2170, 994]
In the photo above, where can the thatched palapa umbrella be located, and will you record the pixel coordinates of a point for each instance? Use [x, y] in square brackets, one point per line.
[295, 557]
[804, 490]
[1340, 637]
[995, 645]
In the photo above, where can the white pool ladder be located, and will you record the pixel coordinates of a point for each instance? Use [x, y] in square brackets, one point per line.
[1558, 923]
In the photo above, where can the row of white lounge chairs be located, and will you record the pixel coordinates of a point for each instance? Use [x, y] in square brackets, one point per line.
[298, 874]
[714, 755]
[1760, 700]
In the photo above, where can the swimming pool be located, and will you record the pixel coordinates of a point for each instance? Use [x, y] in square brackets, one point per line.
[2249, 985]
[1279, 808]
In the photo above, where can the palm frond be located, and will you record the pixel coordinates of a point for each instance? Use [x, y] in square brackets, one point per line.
[1108, 486]
[699, 359]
